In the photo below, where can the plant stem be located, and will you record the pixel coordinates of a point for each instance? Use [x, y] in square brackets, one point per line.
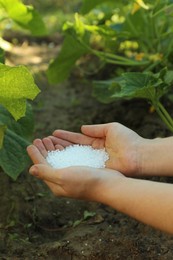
[110, 55]
[116, 59]
[113, 58]
[164, 115]
[125, 63]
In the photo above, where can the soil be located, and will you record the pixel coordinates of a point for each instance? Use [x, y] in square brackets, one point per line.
[36, 225]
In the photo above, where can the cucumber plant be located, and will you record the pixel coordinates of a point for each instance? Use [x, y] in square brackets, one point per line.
[146, 85]
[134, 36]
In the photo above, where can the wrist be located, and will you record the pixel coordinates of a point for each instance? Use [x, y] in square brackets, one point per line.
[156, 157]
[109, 182]
[145, 156]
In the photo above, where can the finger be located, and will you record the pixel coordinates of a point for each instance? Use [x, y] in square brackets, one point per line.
[75, 138]
[39, 144]
[97, 131]
[46, 173]
[35, 155]
[54, 187]
[48, 144]
[59, 147]
[59, 141]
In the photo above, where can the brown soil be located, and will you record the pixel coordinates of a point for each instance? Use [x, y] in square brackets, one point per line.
[36, 225]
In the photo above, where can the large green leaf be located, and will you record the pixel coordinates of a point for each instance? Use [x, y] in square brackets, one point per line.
[2, 132]
[134, 85]
[26, 16]
[23, 127]
[13, 156]
[16, 85]
[61, 67]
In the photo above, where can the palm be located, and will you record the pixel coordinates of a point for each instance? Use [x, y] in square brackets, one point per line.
[120, 145]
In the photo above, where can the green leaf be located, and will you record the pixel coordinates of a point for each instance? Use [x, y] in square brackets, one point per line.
[23, 127]
[16, 85]
[77, 222]
[88, 214]
[36, 24]
[134, 85]
[26, 16]
[168, 77]
[2, 132]
[61, 67]
[129, 85]
[13, 155]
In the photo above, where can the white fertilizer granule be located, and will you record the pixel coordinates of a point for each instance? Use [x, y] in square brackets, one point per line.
[77, 155]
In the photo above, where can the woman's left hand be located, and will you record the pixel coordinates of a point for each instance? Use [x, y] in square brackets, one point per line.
[75, 182]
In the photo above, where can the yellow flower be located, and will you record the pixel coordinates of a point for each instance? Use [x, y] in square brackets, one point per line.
[137, 5]
[151, 109]
[139, 56]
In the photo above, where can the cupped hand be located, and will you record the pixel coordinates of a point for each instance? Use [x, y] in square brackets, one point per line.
[75, 182]
[122, 144]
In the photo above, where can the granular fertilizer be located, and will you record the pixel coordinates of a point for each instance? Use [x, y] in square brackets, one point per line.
[77, 155]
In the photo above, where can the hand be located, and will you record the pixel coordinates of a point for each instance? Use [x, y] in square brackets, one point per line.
[122, 144]
[76, 182]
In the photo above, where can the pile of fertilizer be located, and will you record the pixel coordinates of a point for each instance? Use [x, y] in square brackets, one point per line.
[77, 155]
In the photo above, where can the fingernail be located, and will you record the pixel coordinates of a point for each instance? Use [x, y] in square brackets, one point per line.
[33, 171]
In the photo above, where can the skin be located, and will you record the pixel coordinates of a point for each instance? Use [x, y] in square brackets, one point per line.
[130, 156]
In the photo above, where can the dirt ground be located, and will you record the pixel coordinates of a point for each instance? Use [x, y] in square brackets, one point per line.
[34, 225]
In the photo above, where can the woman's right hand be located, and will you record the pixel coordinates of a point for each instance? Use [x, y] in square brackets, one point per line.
[123, 145]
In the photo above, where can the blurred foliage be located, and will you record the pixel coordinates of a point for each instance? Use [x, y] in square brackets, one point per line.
[25, 16]
[136, 36]
[50, 5]
[145, 85]
[132, 35]
[16, 87]
[55, 12]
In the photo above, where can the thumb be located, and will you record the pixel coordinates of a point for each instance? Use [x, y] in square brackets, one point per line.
[95, 130]
[44, 172]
